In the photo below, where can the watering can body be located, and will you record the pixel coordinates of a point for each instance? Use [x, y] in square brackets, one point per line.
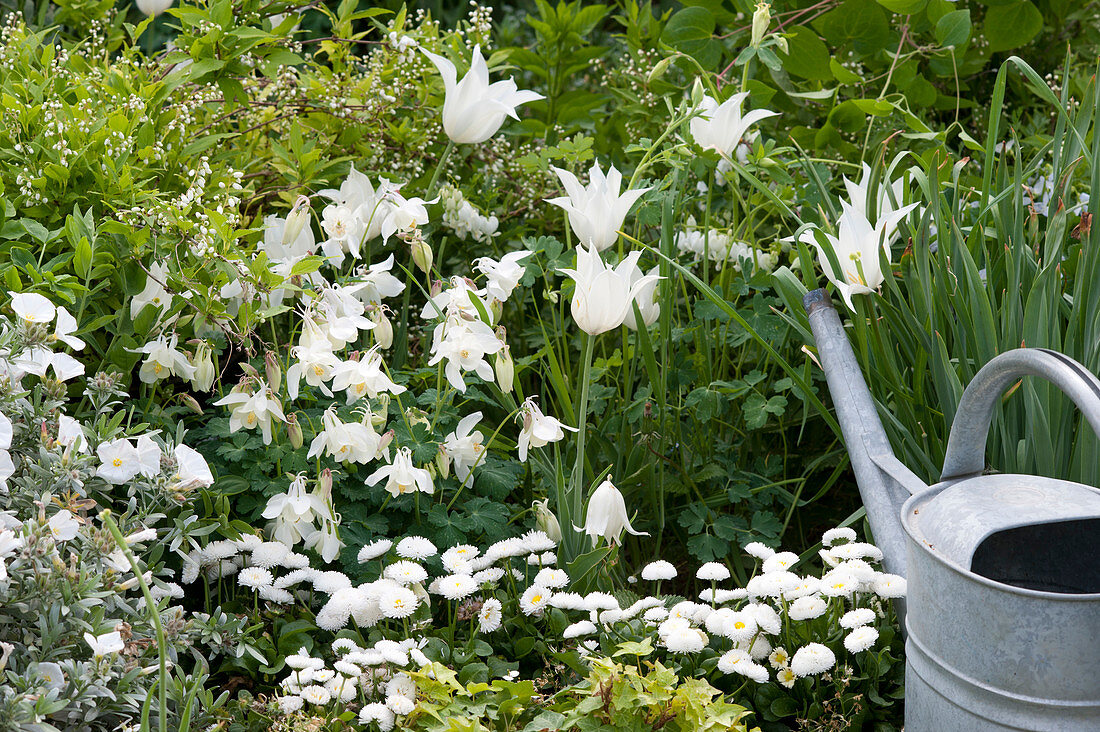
[1002, 614]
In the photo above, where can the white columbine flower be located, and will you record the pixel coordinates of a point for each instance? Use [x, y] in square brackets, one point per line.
[603, 294]
[596, 213]
[538, 428]
[721, 126]
[502, 277]
[402, 476]
[465, 446]
[364, 378]
[474, 109]
[163, 359]
[606, 516]
[464, 345]
[249, 411]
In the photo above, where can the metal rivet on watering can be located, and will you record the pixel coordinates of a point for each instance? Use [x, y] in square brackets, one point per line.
[1002, 616]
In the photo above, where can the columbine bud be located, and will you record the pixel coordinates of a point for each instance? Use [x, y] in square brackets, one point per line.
[760, 21]
[383, 329]
[324, 485]
[659, 69]
[437, 287]
[249, 370]
[546, 521]
[422, 256]
[697, 93]
[191, 403]
[385, 440]
[296, 220]
[496, 307]
[273, 370]
[294, 431]
[415, 415]
[443, 462]
[378, 419]
[505, 369]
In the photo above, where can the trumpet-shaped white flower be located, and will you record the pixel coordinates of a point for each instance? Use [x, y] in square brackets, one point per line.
[860, 195]
[721, 126]
[256, 410]
[465, 446]
[538, 428]
[603, 294]
[474, 109]
[163, 359]
[402, 476]
[596, 213]
[64, 526]
[502, 277]
[31, 307]
[119, 461]
[101, 645]
[192, 470]
[153, 8]
[64, 328]
[606, 516]
[154, 293]
[857, 250]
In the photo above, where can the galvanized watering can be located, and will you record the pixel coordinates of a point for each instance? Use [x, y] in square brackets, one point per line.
[1003, 571]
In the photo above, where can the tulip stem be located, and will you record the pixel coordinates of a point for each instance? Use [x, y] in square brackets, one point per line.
[439, 167]
[577, 482]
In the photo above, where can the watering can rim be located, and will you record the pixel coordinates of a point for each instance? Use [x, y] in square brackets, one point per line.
[926, 495]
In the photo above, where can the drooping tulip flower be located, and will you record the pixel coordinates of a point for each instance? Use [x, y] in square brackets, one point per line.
[721, 126]
[857, 249]
[603, 294]
[596, 212]
[474, 109]
[606, 516]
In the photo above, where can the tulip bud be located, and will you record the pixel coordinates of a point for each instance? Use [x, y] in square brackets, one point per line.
[203, 380]
[505, 369]
[546, 521]
[294, 431]
[443, 462]
[422, 256]
[383, 329]
[273, 370]
[760, 21]
[296, 220]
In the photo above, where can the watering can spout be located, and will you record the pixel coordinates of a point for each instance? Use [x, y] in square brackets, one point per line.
[884, 482]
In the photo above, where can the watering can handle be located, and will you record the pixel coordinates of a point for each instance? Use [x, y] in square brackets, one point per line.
[970, 428]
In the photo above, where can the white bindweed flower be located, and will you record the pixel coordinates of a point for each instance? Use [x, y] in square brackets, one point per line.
[606, 516]
[64, 329]
[538, 428]
[402, 476]
[102, 645]
[721, 126]
[63, 526]
[30, 307]
[474, 109]
[119, 461]
[192, 470]
[596, 212]
[603, 295]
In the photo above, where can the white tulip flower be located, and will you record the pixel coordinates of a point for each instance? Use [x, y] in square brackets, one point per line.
[474, 109]
[603, 294]
[857, 250]
[860, 194]
[646, 298]
[721, 126]
[596, 212]
[606, 516]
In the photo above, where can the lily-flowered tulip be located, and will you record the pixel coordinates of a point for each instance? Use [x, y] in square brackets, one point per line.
[606, 516]
[721, 126]
[857, 248]
[646, 299]
[603, 294]
[596, 212]
[860, 194]
[474, 109]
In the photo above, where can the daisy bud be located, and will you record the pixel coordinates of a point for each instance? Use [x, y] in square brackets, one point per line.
[294, 431]
[296, 220]
[505, 369]
[422, 256]
[760, 21]
[273, 370]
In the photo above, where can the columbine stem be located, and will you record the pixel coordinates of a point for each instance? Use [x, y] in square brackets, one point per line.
[439, 167]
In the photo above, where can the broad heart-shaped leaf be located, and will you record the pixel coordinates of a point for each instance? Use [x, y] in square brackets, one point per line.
[904, 7]
[863, 22]
[809, 56]
[953, 29]
[1013, 25]
[691, 30]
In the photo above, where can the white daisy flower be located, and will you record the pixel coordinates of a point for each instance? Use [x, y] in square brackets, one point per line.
[316, 695]
[779, 658]
[758, 550]
[568, 601]
[860, 639]
[576, 630]
[405, 573]
[838, 583]
[457, 586]
[766, 617]
[739, 626]
[713, 572]
[685, 640]
[779, 562]
[534, 600]
[374, 550]
[400, 705]
[269, 554]
[655, 614]
[859, 616]
[600, 601]
[378, 713]
[289, 704]
[490, 616]
[739, 662]
[397, 602]
[416, 547]
[856, 550]
[786, 677]
[832, 536]
[254, 577]
[807, 608]
[889, 586]
[658, 571]
[812, 659]
[552, 578]
[492, 575]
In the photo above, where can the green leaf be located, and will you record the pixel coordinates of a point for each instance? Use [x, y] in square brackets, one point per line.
[809, 56]
[903, 7]
[1011, 26]
[953, 29]
[860, 22]
[691, 31]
